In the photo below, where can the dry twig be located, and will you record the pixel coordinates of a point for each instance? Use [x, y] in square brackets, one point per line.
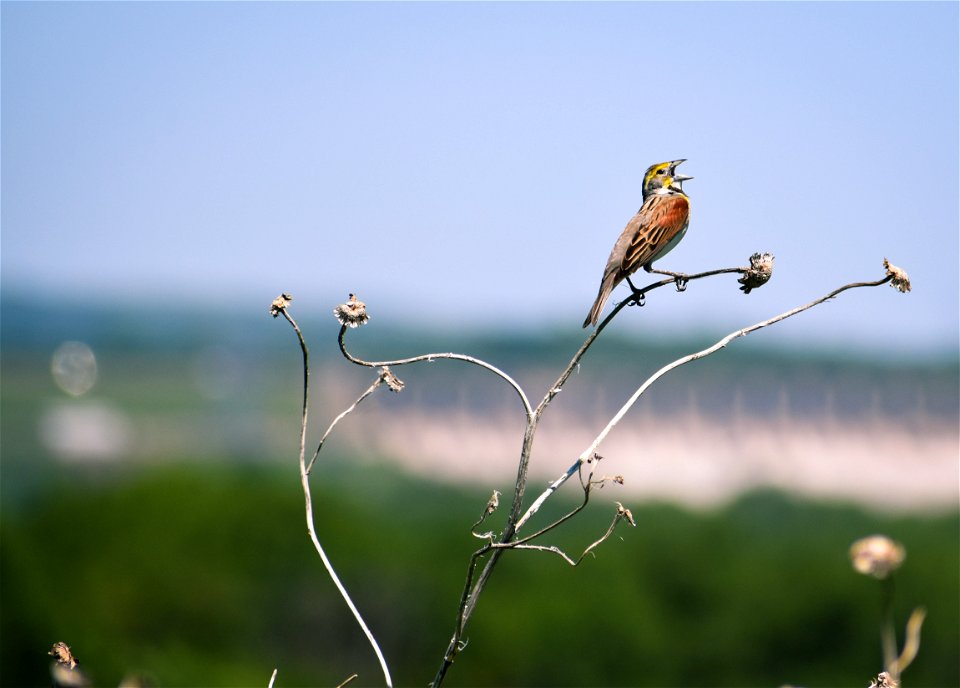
[353, 313]
[280, 307]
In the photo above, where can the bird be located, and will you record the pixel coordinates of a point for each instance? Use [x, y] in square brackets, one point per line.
[653, 232]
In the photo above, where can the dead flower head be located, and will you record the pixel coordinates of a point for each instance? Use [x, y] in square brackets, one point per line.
[280, 304]
[884, 680]
[65, 669]
[394, 384]
[62, 654]
[759, 273]
[626, 513]
[900, 279]
[877, 556]
[353, 313]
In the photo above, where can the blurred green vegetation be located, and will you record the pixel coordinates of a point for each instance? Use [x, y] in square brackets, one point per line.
[195, 575]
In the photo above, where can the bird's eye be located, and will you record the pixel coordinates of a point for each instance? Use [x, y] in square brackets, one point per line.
[661, 171]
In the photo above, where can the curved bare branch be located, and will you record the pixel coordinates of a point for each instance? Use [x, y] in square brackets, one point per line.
[429, 358]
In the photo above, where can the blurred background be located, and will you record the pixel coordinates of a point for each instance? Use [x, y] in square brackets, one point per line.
[168, 169]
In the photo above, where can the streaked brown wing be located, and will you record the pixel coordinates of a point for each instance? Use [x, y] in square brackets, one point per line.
[659, 220]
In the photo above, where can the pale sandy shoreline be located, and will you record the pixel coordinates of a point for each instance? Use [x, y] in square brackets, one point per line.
[689, 458]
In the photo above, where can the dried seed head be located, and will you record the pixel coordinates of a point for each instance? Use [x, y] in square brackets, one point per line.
[494, 502]
[759, 273]
[61, 652]
[626, 513]
[353, 313]
[877, 556]
[884, 680]
[394, 384]
[901, 280]
[280, 304]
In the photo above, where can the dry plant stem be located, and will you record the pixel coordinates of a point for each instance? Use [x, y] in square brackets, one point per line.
[273, 677]
[370, 390]
[630, 300]
[663, 371]
[347, 680]
[888, 636]
[554, 486]
[574, 362]
[513, 524]
[911, 644]
[589, 451]
[556, 550]
[305, 482]
[435, 357]
[469, 598]
[660, 373]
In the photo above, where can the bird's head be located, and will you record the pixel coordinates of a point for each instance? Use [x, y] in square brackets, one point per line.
[663, 177]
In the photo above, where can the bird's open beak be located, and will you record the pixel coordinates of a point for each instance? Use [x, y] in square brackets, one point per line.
[679, 177]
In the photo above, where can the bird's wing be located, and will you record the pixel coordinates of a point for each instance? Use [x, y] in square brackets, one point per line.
[659, 220]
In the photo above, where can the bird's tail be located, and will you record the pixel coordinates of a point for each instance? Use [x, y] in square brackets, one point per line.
[606, 288]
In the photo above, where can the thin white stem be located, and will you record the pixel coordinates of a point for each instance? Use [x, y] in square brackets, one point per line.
[553, 487]
[305, 483]
[440, 356]
[370, 390]
[574, 363]
[549, 548]
[574, 562]
[347, 680]
[912, 643]
[589, 451]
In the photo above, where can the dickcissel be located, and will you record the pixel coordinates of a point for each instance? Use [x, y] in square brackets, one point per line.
[657, 227]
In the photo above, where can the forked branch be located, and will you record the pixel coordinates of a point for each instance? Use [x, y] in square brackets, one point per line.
[280, 307]
[353, 313]
[623, 514]
[895, 276]
[890, 277]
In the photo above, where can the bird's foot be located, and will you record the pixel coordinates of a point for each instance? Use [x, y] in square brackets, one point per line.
[680, 279]
[639, 297]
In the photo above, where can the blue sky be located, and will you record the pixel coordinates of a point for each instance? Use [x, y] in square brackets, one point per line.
[471, 164]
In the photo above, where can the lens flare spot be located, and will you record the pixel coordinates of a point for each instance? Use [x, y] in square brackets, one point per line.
[74, 368]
